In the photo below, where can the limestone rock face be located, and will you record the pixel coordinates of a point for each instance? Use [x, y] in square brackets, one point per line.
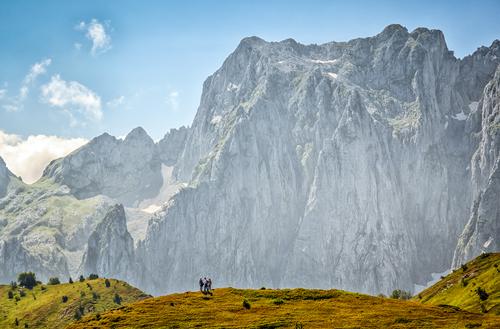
[5, 175]
[128, 171]
[43, 228]
[171, 145]
[482, 233]
[337, 165]
[110, 248]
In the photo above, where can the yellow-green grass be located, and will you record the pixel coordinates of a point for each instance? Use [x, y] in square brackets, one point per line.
[43, 306]
[459, 287]
[295, 308]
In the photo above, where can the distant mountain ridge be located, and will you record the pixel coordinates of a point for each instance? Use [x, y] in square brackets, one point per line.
[352, 165]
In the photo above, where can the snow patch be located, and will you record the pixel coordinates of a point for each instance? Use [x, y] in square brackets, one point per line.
[460, 116]
[332, 75]
[473, 106]
[319, 61]
[216, 119]
[488, 243]
[233, 87]
[151, 208]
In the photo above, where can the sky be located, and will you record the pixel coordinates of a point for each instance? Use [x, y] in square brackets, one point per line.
[72, 70]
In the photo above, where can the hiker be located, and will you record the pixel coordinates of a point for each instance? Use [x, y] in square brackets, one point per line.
[202, 284]
[205, 285]
[209, 284]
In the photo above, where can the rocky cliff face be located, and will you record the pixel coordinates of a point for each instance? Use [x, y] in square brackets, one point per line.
[5, 175]
[110, 248]
[351, 165]
[171, 145]
[340, 165]
[43, 228]
[482, 233]
[128, 171]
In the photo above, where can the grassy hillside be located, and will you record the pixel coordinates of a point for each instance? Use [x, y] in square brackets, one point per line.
[296, 308]
[43, 307]
[459, 288]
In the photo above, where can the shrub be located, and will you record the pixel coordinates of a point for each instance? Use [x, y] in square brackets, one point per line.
[465, 282]
[10, 294]
[53, 281]
[483, 295]
[22, 293]
[402, 320]
[95, 296]
[13, 285]
[81, 279]
[246, 304]
[278, 301]
[64, 299]
[43, 288]
[464, 267]
[93, 276]
[400, 294]
[70, 280]
[89, 286]
[16, 322]
[17, 298]
[27, 279]
[78, 314]
[107, 283]
[262, 288]
[117, 299]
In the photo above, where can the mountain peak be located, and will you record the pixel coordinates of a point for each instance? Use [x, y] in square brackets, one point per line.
[137, 133]
[392, 28]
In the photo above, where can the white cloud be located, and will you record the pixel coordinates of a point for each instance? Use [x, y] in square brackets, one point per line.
[28, 157]
[96, 32]
[173, 100]
[10, 108]
[78, 45]
[36, 70]
[15, 103]
[115, 102]
[72, 95]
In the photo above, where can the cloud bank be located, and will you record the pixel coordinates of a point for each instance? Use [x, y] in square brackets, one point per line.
[28, 157]
[72, 96]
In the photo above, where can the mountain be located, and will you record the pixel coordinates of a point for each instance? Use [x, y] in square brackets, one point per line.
[460, 288]
[43, 306]
[127, 170]
[482, 233]
[365, 165]
[341, 165]
[110, 248]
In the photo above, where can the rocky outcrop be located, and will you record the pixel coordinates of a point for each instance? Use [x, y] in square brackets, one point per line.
[128, 171]
[4, 178]
[335, 165]
[43, 228]
[482, 233]
[171, 145]
[110, 248]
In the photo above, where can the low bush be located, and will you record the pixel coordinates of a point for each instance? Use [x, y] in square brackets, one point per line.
[107, 283]
[53, 281]
[64, 299]
[246, 304]
[93, 276]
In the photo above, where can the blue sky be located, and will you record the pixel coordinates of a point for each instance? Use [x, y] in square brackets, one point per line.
[150, 58]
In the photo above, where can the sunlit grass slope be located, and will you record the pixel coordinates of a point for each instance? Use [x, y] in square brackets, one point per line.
[460, 287]
[296, 308]
[43, 307]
